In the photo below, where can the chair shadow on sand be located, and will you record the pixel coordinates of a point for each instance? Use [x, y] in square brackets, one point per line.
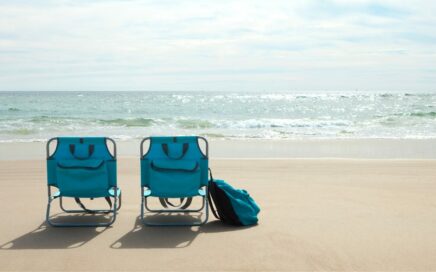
[168, 237]
[47, 237]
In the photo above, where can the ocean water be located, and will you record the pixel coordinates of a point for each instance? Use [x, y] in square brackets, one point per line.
[36, 116]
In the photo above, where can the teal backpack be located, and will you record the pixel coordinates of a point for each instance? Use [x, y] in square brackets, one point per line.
[232, 206]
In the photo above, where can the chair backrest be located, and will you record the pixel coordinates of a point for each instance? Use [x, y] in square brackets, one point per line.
[79, 156]
[174, 166]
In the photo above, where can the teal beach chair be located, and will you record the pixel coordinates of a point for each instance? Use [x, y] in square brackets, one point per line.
[174, 167]
[82, 167]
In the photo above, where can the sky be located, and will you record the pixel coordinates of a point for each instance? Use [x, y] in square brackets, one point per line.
[168, 45]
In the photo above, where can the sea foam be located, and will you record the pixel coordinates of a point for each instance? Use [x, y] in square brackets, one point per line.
[30, 116]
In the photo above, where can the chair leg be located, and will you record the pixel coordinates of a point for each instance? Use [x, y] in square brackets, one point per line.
[113, 211]
[174, 210]
[144, 205]
[95, 211]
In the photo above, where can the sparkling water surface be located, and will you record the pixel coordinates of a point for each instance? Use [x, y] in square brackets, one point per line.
[36, 116]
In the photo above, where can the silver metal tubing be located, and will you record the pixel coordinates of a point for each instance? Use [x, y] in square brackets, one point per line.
[112, 211]
[81, 211]
[144, 206]
[175, 210]
[47, 147]
[205, 207]
[207, 145]
[115, 147]
[206, 217]
[142, 146]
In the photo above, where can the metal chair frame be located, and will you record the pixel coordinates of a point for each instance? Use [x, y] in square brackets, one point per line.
[56, 195]
[145, 195]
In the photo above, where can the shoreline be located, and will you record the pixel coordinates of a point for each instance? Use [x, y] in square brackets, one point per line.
[268, 149]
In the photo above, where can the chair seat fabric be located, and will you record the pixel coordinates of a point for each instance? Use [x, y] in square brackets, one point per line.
[82, 167]
[174, 167]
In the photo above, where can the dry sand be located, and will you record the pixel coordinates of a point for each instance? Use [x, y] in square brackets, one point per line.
[337, 214]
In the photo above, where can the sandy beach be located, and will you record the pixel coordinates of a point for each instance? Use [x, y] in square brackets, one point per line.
[317, 214]
[324, 111]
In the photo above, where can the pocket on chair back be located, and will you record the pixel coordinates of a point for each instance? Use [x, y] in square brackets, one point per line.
[88, 178]
[169, 178]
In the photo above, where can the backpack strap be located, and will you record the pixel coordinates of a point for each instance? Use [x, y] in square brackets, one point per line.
[187, 204]
[165, 202]
[108, 200]
[210, 191]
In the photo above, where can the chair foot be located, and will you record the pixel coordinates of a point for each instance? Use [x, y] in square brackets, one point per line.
[105, 224]
[150, 224]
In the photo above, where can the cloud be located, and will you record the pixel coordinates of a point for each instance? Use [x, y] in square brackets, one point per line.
[210, 45]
